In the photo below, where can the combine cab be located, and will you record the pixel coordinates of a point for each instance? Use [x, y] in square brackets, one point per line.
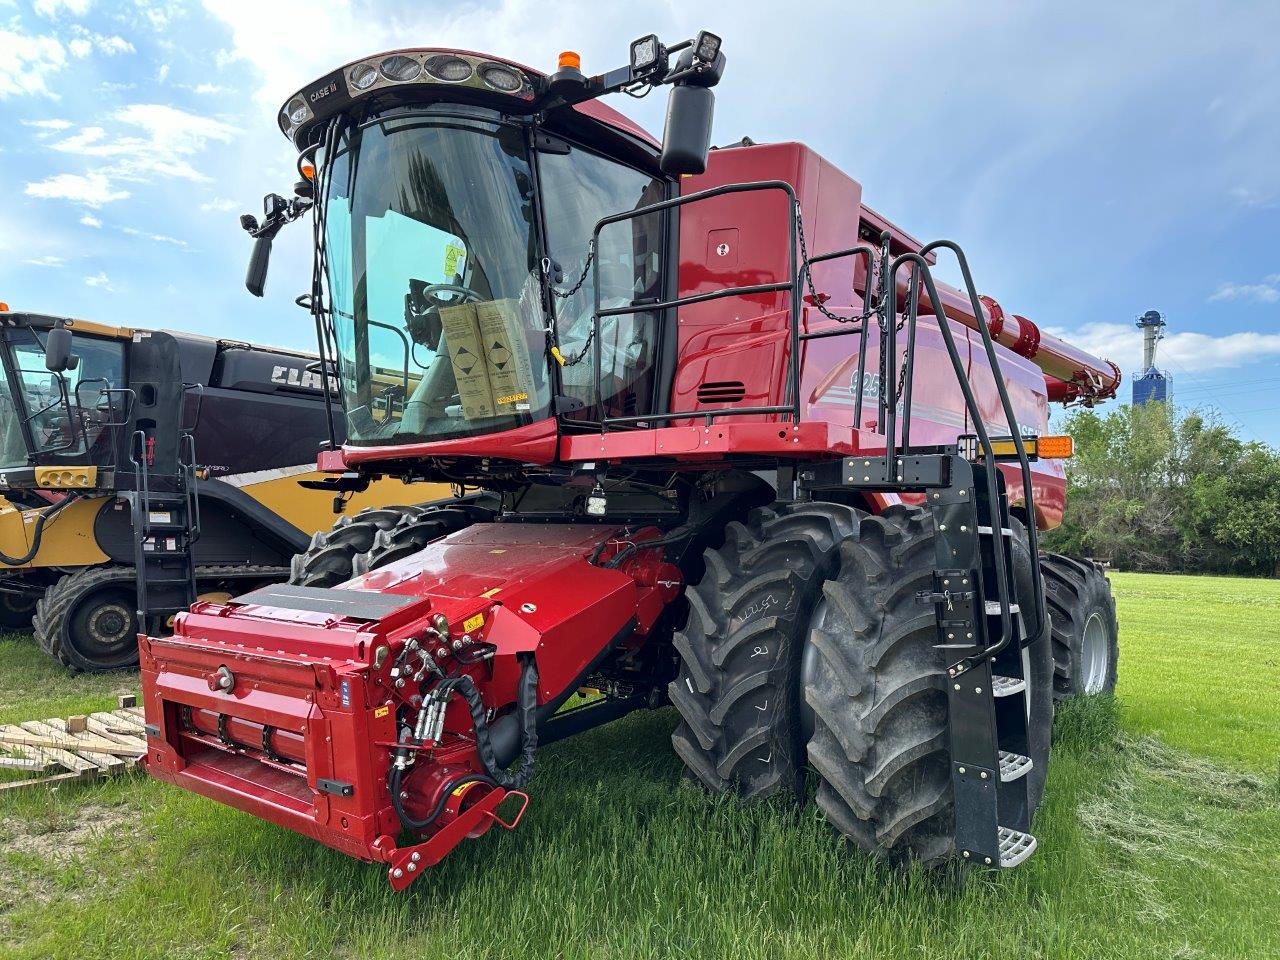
[746, 458]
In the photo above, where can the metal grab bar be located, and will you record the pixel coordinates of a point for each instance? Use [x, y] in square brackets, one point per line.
[1024, 464]
[868, 301]
[922, 274]
[791, 285]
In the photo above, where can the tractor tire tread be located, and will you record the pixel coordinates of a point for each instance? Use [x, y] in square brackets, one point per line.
[737, 688]
[1073, 588]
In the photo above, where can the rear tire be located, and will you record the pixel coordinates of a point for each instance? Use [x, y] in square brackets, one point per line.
[877, 689]
[328, 560]
[88, 620]
[16, 610]
[737, 691]
[1086, 648]
[415, 530]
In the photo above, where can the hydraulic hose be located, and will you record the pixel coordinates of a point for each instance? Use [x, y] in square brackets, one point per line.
[494, 775]
[37, 532]
[526, 710]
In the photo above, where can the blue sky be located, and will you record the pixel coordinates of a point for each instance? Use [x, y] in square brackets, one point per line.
[1096, 160]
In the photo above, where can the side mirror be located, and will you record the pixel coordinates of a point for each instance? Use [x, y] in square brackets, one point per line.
[57, 350]
[687, 136]
[255, 279]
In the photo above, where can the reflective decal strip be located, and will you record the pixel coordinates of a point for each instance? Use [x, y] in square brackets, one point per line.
[259, 476]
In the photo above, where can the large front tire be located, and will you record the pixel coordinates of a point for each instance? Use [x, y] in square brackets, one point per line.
[737, 691]
[877, 687]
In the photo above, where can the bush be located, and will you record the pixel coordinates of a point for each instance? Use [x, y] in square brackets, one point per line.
[1151, 488]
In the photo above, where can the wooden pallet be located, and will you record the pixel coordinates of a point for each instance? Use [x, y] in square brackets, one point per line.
[59, 750]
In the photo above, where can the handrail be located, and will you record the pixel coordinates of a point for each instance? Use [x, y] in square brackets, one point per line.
[1024, 464]
[792, 286]
[926, 276]
[798, 273]
[868, 299]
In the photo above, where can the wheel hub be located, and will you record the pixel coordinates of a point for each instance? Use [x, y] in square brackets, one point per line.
[111, 625]
[1095, 656]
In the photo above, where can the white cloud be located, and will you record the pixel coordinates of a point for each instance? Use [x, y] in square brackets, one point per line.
[1185, 350]
[92, 189]
[157, 237]
[100, 280]
[163, 73]
[113, 45]
[91, 221]
[158, 13]
[209, 88]
[27, 62]
[171, 139]
[1266, 292]
[51, 126]
[1248, 197]
[219, 205]
[46, 261]
[86, 41]
[51, 8]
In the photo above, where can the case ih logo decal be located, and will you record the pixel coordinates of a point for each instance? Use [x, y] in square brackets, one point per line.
[318, 95]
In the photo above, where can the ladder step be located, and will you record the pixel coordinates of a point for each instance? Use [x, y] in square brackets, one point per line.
[993, 608]
[1007, 686]
[1004, 531]
[1013, 766]
[1015, 846]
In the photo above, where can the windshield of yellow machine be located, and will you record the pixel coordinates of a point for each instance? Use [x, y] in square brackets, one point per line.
[431, 269]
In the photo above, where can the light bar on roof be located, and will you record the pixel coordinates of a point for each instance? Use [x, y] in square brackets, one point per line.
[406, 72]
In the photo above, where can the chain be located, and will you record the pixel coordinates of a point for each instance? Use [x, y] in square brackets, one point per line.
[570, 361]
[902, 379]
[586, 269]
[808, 277]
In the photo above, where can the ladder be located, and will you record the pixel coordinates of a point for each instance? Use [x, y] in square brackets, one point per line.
[165, 510]
[160, 487]
[987, 685]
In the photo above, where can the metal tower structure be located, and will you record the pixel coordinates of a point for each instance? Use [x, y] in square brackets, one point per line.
[1151, 383]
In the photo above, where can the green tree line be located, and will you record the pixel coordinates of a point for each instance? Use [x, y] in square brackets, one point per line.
[1153, 488]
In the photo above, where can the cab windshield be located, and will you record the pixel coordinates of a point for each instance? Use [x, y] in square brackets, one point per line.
[431, 263]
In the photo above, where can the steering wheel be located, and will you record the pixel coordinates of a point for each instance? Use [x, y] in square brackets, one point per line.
[431, 294]
[422, 305]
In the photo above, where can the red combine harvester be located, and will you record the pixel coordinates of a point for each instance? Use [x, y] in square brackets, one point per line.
[774, 489]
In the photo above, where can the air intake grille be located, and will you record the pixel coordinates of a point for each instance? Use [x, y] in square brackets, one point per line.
[721, 391]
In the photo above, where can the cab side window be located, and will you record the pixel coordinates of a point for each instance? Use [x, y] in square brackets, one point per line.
[580, 188]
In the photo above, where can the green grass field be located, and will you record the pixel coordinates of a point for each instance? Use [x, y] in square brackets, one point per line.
[1160, 838]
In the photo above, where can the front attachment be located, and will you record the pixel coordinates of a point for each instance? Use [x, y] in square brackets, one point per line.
[408, 701]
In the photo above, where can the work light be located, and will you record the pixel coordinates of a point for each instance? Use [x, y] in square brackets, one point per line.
[646, 53]
[400, 67]
[706, 47]
[449, 68]
[363, 76]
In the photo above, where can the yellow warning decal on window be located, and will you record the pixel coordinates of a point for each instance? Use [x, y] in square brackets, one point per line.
[473, 623]
[381, 712]
[512, 398]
